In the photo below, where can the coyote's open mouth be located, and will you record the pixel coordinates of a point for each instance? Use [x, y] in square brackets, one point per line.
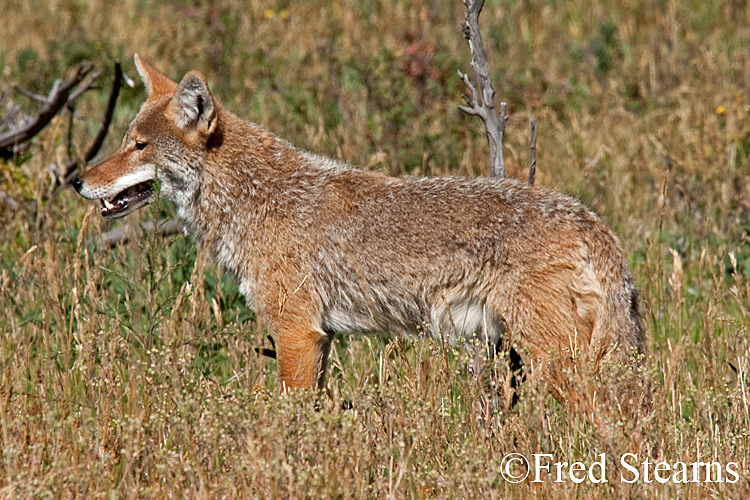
[128, 201]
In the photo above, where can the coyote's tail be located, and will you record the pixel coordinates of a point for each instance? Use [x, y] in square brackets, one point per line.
[619, 339]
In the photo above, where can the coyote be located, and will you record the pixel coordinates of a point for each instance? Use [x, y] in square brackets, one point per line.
[320, 248]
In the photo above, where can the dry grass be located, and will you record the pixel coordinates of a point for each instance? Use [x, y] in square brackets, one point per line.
[132, 372]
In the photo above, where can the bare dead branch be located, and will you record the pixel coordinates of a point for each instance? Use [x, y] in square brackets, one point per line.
[475, 109]
[503, 119]
[30, 95]
[71, 169]
[494, 125]
[86, 85]
[124, 233]
[14, 205]
[69, 137]
[14, 116]
[108, 113]
[8, 201]
[58, 97]
[532, 154]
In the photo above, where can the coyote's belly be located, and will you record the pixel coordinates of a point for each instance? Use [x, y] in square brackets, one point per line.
[444, 318]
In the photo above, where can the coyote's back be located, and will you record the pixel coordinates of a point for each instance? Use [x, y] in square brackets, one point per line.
[319, 248]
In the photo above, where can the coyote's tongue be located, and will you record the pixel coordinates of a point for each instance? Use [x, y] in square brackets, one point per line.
[127, 201]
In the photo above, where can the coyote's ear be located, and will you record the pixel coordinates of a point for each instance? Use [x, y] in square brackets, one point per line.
[157, 83]
[193, 105]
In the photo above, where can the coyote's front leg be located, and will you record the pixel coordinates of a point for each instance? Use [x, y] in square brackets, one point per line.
[301, 344]
[302, 353]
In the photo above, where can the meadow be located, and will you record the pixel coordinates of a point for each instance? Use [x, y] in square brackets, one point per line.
[132, 371]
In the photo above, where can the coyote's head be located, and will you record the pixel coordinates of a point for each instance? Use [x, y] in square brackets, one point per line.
[167, 139]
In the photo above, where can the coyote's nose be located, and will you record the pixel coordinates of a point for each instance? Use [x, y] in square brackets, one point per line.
[77, 183]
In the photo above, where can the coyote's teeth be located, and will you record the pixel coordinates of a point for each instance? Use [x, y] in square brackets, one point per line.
[108, 205]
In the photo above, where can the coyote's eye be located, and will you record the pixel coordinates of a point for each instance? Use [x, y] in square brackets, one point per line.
[140, 145]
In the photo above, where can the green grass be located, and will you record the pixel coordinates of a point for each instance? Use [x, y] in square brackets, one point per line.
[132, 372]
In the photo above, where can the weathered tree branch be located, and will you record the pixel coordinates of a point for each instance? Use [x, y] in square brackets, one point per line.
[8, 201]
[109, 112]
[69, 137]
[58, 97]
[532, 154]
[14, 114]
[71, 169]
[86, 85]
[30, 95]
[494, 125]
[13, 205]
